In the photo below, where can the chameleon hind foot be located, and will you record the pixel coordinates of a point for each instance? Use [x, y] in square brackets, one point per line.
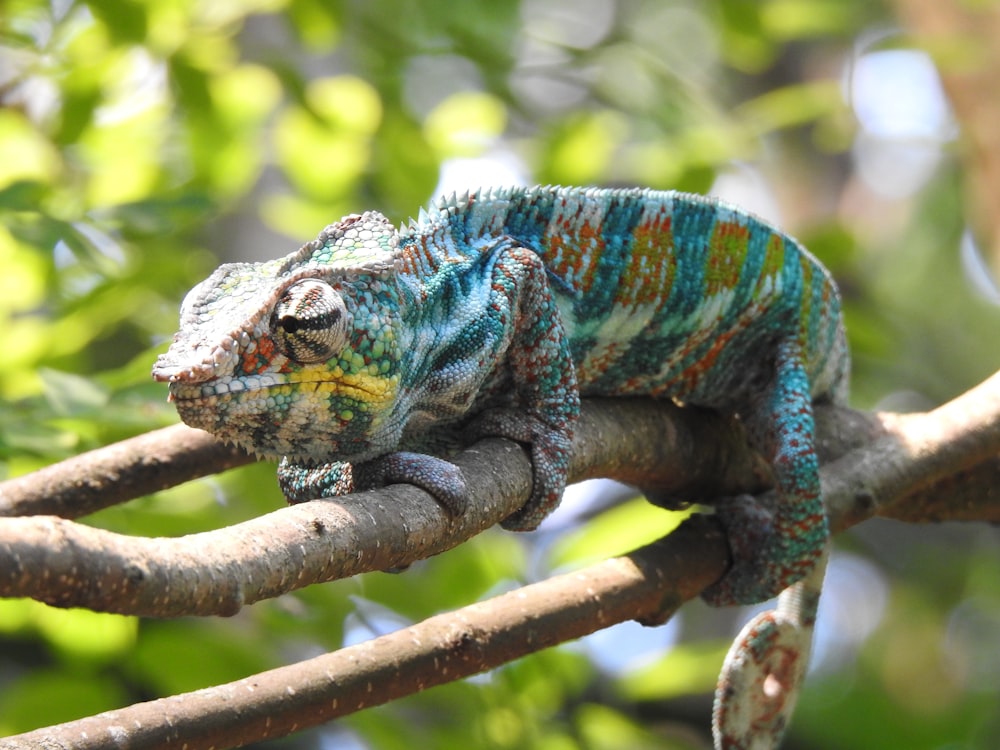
[765, 562]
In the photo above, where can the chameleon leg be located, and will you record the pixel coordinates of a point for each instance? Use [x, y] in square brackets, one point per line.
[440, 478]
[777, 544]
[546, 399]
[518, 324]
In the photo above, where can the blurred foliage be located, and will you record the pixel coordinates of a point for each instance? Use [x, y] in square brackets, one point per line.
[142, 142]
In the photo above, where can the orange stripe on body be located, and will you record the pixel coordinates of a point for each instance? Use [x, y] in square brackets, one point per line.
[652, 265]
[729, 244]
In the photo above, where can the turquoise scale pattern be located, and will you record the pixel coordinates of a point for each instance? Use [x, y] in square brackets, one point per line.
[666, 294]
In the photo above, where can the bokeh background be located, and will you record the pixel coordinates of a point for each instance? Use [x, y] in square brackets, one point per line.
[142, 143]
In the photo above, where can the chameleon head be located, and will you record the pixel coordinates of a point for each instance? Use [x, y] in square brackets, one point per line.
[298, 356]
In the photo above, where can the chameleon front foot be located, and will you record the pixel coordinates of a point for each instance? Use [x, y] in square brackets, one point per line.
[300, 483]
[440, 478]
[550, 451]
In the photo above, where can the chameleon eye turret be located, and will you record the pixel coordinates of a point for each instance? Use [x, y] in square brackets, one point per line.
[310, 322]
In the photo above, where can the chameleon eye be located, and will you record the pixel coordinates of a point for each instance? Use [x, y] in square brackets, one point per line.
[309, 322]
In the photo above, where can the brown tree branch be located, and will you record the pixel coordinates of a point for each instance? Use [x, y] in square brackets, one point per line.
[215, 573]
[650, 584]
[68, 564]
[115, 473]
[918, 459]
[696, 452]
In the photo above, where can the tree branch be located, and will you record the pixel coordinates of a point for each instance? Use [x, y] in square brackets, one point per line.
[115, 473]
[919, 461]
[688, 453]
[650, 584]
[215, 573]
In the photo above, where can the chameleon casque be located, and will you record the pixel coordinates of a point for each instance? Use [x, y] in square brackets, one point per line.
[358, 356]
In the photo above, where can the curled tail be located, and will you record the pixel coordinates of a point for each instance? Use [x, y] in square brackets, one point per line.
[764, 669]
[779, 543]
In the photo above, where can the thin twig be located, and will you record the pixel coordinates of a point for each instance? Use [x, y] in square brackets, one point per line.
[115, 473]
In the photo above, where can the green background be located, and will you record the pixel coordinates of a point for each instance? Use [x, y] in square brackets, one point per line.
[141, 143]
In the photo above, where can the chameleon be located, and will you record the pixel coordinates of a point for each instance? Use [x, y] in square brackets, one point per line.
[363, 357]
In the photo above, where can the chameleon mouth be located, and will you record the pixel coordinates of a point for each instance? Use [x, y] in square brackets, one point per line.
[276, 415]
[363, 388]
[224, 388]
[305, 419]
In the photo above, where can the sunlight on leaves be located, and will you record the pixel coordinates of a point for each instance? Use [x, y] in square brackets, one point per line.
[83, 634]
[604, 728]
[790, 106]
[584, 146]
[685, 669]
[69, 394]
[24, 153]
[615, 532]
[76, 633]
[324, 151]
[794, 19]
[465, 123]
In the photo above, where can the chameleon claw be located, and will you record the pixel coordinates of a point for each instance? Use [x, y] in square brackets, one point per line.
[440, 478]
[550, 452]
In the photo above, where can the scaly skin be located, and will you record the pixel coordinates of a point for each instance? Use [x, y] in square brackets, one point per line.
[369, 354]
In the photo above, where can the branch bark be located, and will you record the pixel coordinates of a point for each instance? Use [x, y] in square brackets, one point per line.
[215, 573]
[901, 461]
[649, 584]
[115, 473]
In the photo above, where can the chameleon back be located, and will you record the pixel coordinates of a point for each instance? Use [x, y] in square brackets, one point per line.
[664, 293]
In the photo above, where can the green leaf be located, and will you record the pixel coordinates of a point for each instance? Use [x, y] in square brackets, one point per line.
[49, 696]
[82, 635]
[615, 532]
[22, 195]
[70, 395]
[685, 669]
[124, 20]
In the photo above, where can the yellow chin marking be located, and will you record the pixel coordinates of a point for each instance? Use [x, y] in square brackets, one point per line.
[372, 390]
